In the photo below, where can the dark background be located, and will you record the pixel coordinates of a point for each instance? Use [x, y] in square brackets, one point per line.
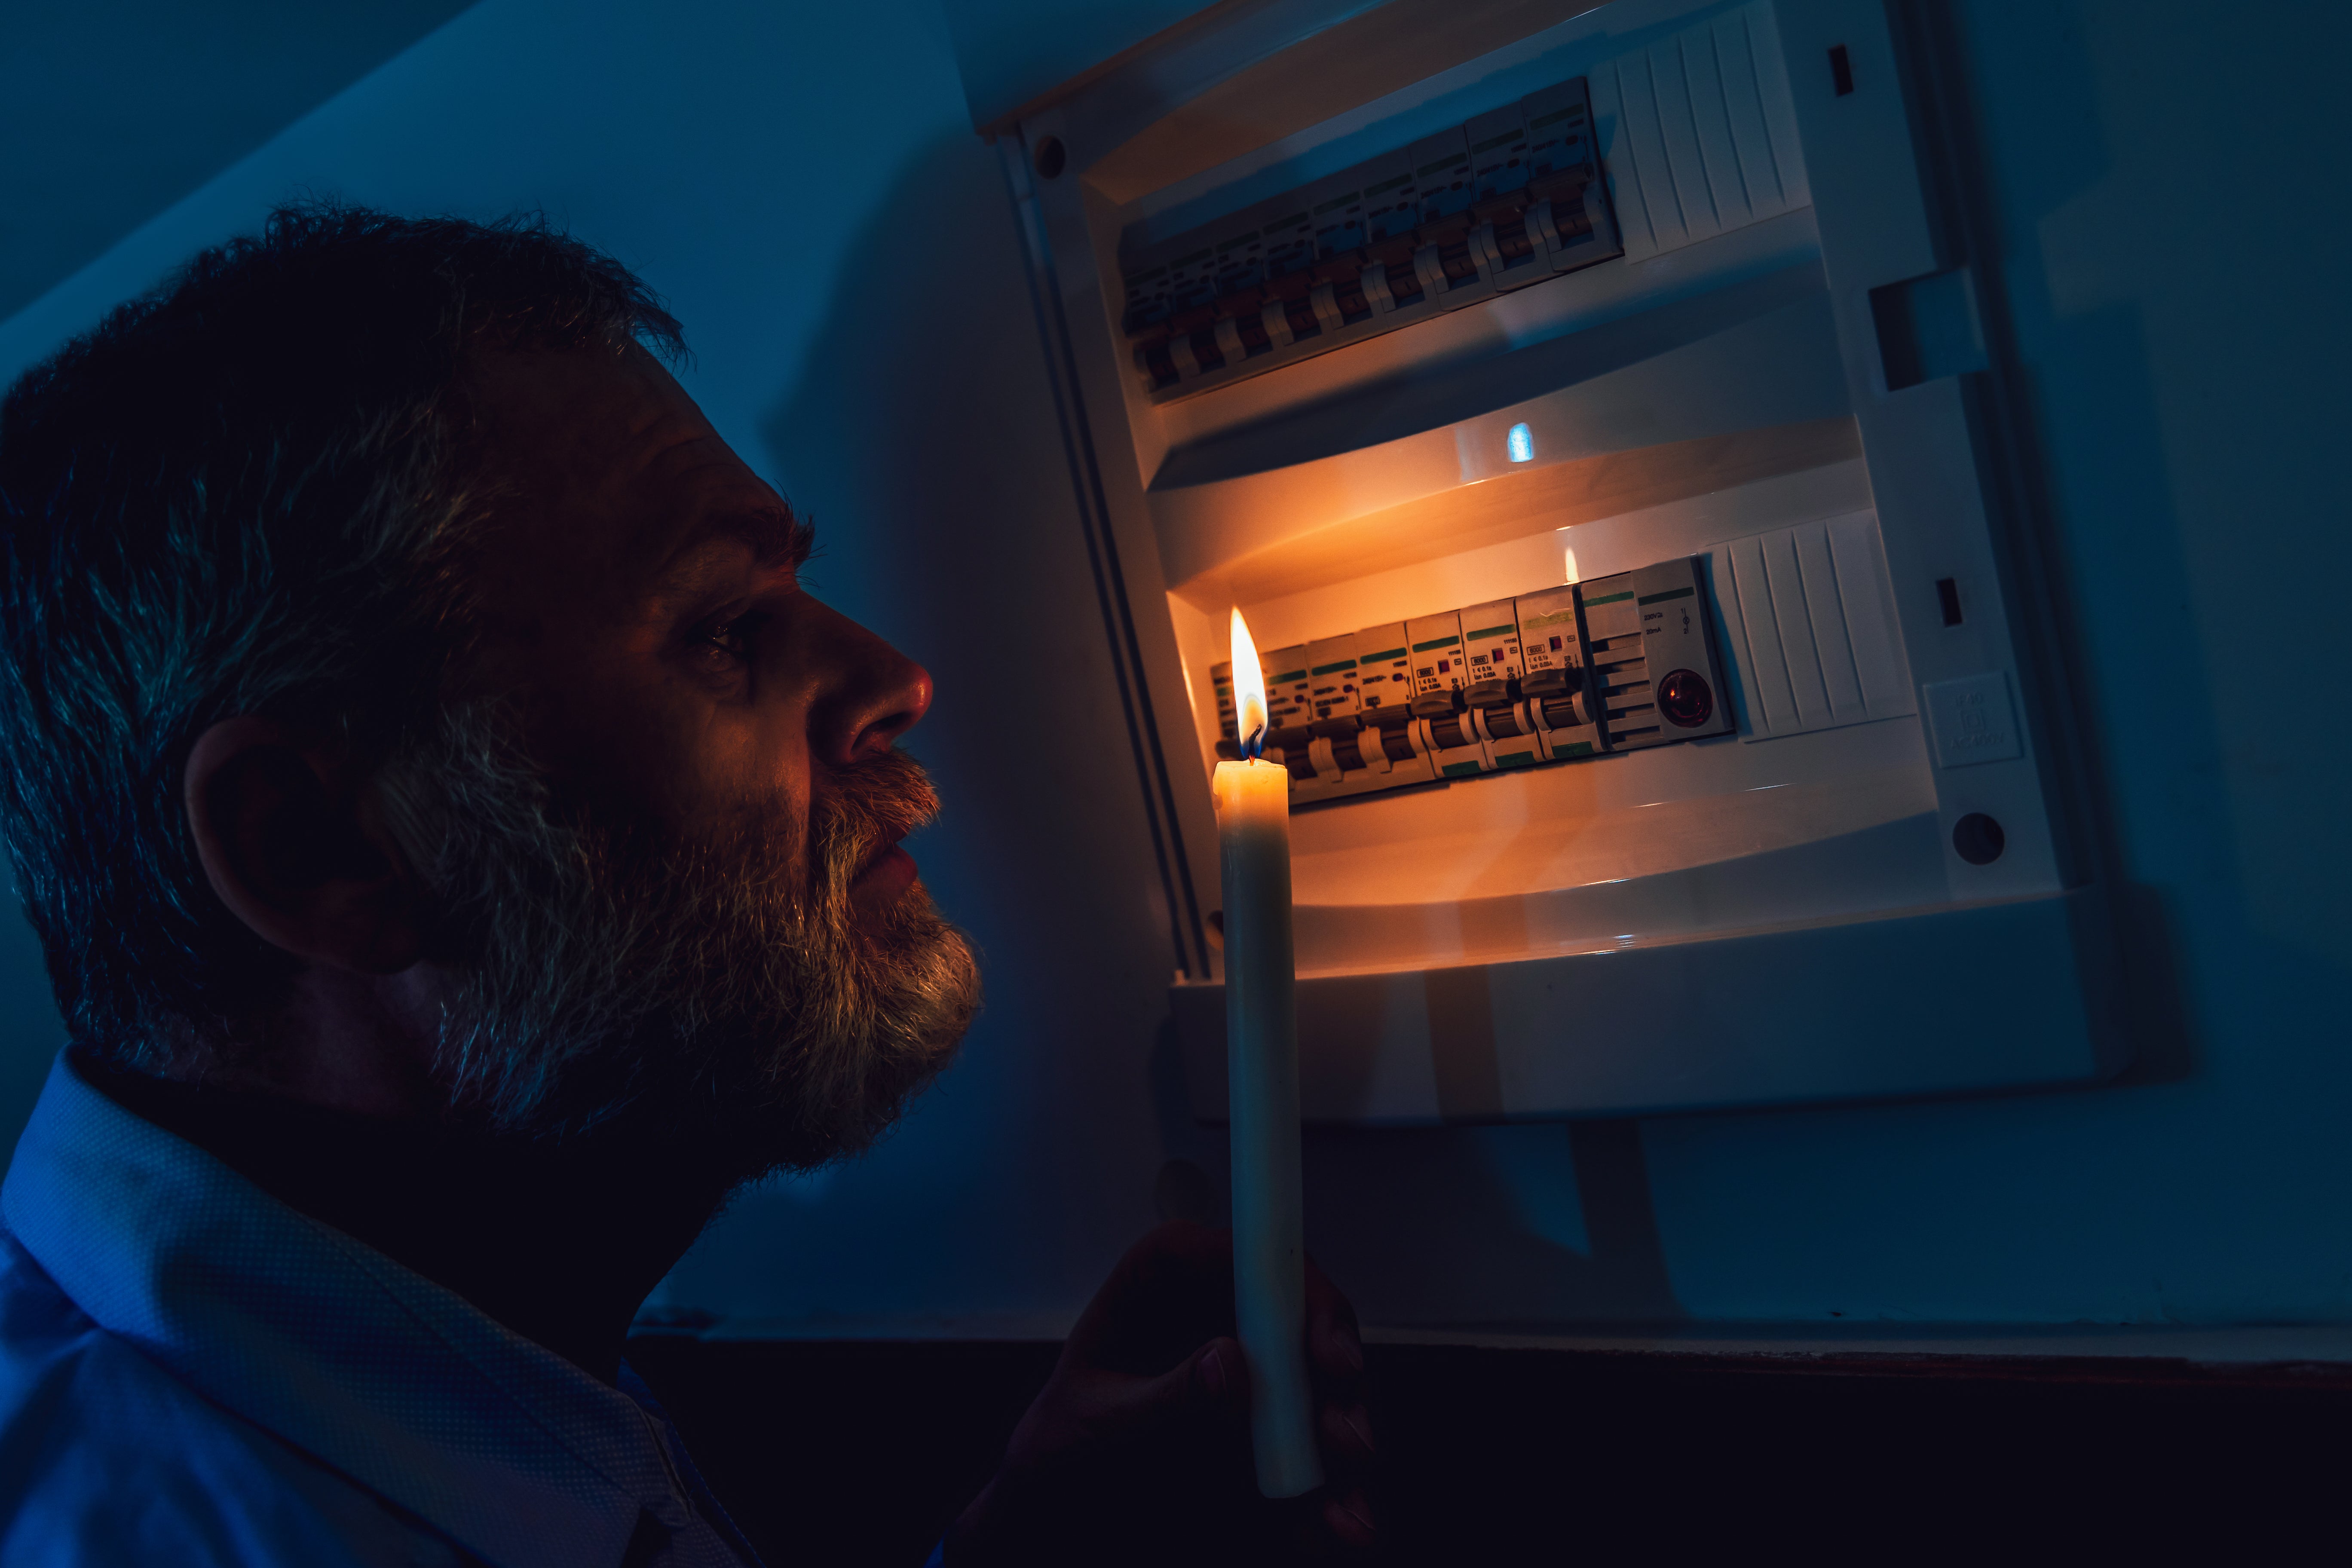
[857, 1453]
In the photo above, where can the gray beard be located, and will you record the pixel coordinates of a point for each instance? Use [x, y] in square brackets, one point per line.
[706, 1000]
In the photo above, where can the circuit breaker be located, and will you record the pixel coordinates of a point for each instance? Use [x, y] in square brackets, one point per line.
[1510, 197]
[1558, 675]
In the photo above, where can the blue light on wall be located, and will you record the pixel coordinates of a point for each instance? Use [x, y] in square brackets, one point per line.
[1521, 443]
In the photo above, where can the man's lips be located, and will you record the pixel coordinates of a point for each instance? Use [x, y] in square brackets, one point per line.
[890, 873]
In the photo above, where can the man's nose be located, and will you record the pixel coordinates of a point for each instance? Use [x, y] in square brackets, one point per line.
[876, 695]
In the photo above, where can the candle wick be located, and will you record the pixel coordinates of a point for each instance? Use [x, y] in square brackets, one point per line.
[1254, 744]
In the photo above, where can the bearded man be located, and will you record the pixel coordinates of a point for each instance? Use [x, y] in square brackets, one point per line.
[464, 855]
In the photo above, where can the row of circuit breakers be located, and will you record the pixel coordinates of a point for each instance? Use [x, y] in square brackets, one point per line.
[1610, 665]
[1511, 198]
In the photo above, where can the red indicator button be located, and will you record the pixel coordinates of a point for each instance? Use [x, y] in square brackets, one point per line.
[1685, 700]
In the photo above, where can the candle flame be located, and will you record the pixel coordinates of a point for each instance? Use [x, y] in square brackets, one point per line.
[1249, 692]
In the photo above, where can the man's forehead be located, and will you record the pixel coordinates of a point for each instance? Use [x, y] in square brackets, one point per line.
[622, 461]
[584, 411]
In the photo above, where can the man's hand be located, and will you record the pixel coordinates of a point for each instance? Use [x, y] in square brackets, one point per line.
[1138, 1449]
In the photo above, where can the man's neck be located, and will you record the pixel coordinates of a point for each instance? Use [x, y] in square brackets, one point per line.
[560, 1245]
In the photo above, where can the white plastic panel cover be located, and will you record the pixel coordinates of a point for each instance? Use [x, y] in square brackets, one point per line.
[1808, 623]
[1698, 133]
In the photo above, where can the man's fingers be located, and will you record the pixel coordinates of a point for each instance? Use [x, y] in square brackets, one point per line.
[1208, 1384]
[1218, 1378]
[1333, 1346]
[1347, 1433]
[1349, 1518]
[1177, 1281]
[1337, 1354]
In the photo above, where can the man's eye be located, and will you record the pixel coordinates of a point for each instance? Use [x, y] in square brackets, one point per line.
[730, 638]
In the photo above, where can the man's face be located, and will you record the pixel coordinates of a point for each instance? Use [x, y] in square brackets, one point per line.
[666, 808]
[641, 599]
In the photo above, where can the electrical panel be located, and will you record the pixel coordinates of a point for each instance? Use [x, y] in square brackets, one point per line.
[1652, 652]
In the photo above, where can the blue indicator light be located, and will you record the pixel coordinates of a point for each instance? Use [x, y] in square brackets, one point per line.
[1521, 444]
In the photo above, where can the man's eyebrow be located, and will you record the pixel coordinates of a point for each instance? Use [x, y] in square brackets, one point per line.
[778, 536]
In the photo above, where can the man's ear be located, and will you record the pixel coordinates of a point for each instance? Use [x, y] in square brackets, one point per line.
[294, 850]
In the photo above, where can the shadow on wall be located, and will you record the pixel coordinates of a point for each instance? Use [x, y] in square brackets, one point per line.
[2126, 430]
[2155, 1014]
[1527, 1226]
[1459, 1225]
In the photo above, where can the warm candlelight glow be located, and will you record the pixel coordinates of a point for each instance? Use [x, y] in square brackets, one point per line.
[1249, 690]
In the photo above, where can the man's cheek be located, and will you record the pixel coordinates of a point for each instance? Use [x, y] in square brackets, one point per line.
[749, 757]
[693, 779]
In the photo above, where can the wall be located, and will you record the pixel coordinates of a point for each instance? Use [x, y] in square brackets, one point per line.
[110, 109]
[2161, 176]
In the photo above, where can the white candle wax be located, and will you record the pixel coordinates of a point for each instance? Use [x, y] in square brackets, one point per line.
[1262, 1056]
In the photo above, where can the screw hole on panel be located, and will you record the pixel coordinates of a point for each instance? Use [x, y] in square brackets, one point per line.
[1050, 157]
[1978, 839]
[1840, 70]
[1947, 594]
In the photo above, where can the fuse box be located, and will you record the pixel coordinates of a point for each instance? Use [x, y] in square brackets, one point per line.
[1516, 374]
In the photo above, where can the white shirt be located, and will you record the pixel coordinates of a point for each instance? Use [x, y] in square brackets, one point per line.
[193, 1372]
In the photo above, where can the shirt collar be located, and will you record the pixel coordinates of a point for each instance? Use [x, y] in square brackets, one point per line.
[403, 1385]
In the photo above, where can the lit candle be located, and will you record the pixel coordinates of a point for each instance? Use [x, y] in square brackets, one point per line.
[1253, 798]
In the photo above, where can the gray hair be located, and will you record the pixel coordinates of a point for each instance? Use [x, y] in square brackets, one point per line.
[250, 491]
